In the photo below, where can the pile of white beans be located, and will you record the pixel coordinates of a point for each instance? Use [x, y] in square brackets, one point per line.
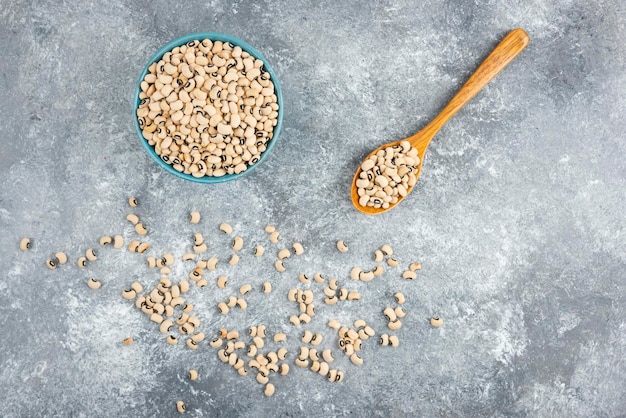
[387, 175]
[166, 305]
[208, 108]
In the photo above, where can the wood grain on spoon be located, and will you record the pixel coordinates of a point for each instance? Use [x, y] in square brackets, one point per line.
[512, 44]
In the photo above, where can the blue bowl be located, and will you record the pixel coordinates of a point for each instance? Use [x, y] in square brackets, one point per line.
[214, 36]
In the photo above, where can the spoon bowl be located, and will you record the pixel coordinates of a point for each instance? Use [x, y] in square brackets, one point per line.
[512, 44]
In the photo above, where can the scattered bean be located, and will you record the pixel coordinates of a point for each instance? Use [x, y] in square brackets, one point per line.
[341, 246]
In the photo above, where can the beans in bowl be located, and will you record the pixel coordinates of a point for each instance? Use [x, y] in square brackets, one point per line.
[208, 108]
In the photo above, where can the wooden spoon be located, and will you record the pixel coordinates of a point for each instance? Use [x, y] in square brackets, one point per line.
[512, 44]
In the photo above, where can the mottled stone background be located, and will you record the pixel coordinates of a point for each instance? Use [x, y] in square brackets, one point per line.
[518, 217]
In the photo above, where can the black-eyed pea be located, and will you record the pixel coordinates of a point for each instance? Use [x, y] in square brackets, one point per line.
[171, 340]
[307, 296]
[291, 295]
[252, 350]
[137, 287]
[267, 287]
[168, 259]
[310, 310]
[284, 253]
[177, 301]
[356, 359]
[303, 352]
[261, 331]
[133, 202]
[51, 264]
[166, 326]
[304, 363]
[362, 334]
[237, 243]
[274, 237]
[399, 297]
[226, 228]
[280, 337]
[334, 324]
[180, 407]
[194, 217]
[390, 313]
[252, 331]
[222, 281]
[93, 283]
[258, 342]
[223, 355]
[234, 260]
[355, 273]
[332, 375]
[90, 254]
[352, 334]
[259, 251]
[140, 229]
[129, 294]
[118, 242]
[331, 300]
[143, 247]
[339, 377]
[198, 337]
[369, 331]
[242, 371]
[165, 270]
[279, 266]
[316, 339]
[262, 378]
[282, 353]
[232, 359]
[436, 322]
[329, 292]
[343, 293]
[378, 270]
[304, 318]
[239, 364]
[105, 240]
[189, 256]
[182, 319]
[133, 245]
[232, 301]
[294, 320]
[387, 250]
[415, 266]
[354, 295]
[216, 342]
[359, 323]
[304, 279]
[211, 263]
[306, 336]
[284, 369]
[394, 325]
[239, 345]
[151, 262]
[392, 262]
[332, 284]
[319, 278]
[315, 366]
[244, 289]
[409, 275]
[132, 218]
[191, 344]
[384, 339]
[184, 286]
[242, 304]
[198, 239]
[158, 308]
[272, 357]
[157, 318]
[61, 257]
[192, 375]
[200, 249]
[342, 246]
[379, 256]
[223, 308]
[270, 228]
[394, 341]
[25, 244]
[366, 276]
[298, 249]
[400, 312]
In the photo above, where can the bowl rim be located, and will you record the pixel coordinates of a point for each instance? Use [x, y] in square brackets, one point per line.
[213, 36]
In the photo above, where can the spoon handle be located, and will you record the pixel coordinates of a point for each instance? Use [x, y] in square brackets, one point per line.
[512, 44]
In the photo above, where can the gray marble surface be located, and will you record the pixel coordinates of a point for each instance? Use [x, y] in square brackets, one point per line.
[518, 217]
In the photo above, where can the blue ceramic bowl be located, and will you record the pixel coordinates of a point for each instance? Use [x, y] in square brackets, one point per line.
[214, 36]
